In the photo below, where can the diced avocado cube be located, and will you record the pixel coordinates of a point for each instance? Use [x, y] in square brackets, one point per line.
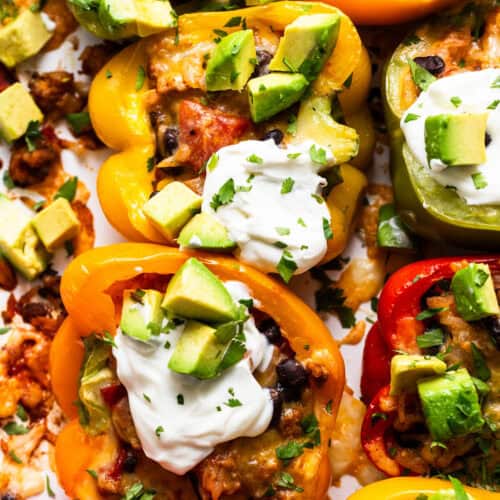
[56, 224]
[117, 13]
[171, 208]
[450, 404]
[205, 231]
[315, 123]
[195, 292]
[18, 241]
[272, 93]
[22, 38]
[474, 292]
[407, 369]
[17, 110]
[115, 19]
[306, 45]
[154, 16]
[140, 311]
[198, 352]
[232, 62]
[456, 140]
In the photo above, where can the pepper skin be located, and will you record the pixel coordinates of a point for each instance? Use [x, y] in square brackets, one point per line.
[119, 116]
[378, 12]
[428, 208]
[408, 488]
[90, 308]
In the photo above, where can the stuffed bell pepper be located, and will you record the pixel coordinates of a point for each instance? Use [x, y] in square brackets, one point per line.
[190, 375]
[227, 135]
[442, 96]
[420, 489]
[431, 372]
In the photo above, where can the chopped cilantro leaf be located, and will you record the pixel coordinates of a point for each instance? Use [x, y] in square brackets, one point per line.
[420, 75]
[286, 266]
[287, 185]
[327, 229]
[68, 190]
[318, 155]
[224, 196]
[430, 338]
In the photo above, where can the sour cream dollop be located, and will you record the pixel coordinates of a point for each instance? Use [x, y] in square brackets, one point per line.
[180, 419]
[277, 204]
[472, 92]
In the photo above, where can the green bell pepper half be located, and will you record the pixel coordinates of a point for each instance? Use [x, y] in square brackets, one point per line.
[428, 208]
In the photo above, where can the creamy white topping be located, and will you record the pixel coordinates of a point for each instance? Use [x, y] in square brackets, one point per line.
[180, 419]
[472, 92]
[277, 204]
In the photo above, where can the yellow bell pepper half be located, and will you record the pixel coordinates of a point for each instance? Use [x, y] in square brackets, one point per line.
[120, 119]
[409, 488]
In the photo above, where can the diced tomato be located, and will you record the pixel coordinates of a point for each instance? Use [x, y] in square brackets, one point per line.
[204, 130]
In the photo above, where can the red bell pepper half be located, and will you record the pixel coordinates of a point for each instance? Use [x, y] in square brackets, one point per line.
[397, 330]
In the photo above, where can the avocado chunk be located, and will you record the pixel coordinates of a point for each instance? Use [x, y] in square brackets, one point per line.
[141, 312]
[306, 45]
[456, 140]
[315, 123]
[19, 243]
[116, 19]
[198, 352]
[56, 224]
[196, 293]
[450, 404]
[232, 62]
[22, 38]
[17, 110]
[205, 231]
[474, 292]
[95, 375]
[272, 93]
[407, 369]
[171, 208]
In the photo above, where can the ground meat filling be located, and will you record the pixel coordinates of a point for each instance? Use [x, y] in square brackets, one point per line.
[56, 94]
[190, 123]
[474, 456]
[243, 468]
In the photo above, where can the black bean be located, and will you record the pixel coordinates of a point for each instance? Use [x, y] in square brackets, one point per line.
[433, 64]
[170, 140]
[271, 331]
[292, 374]
[9, 496]
[487, 139]
[277, 400]
[275, 134]
[436, 290]
[492, 324]
[263, 59]
[130, 462]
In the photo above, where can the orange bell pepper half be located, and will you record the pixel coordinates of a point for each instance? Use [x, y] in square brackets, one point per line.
[389, 11]
[91, 309]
